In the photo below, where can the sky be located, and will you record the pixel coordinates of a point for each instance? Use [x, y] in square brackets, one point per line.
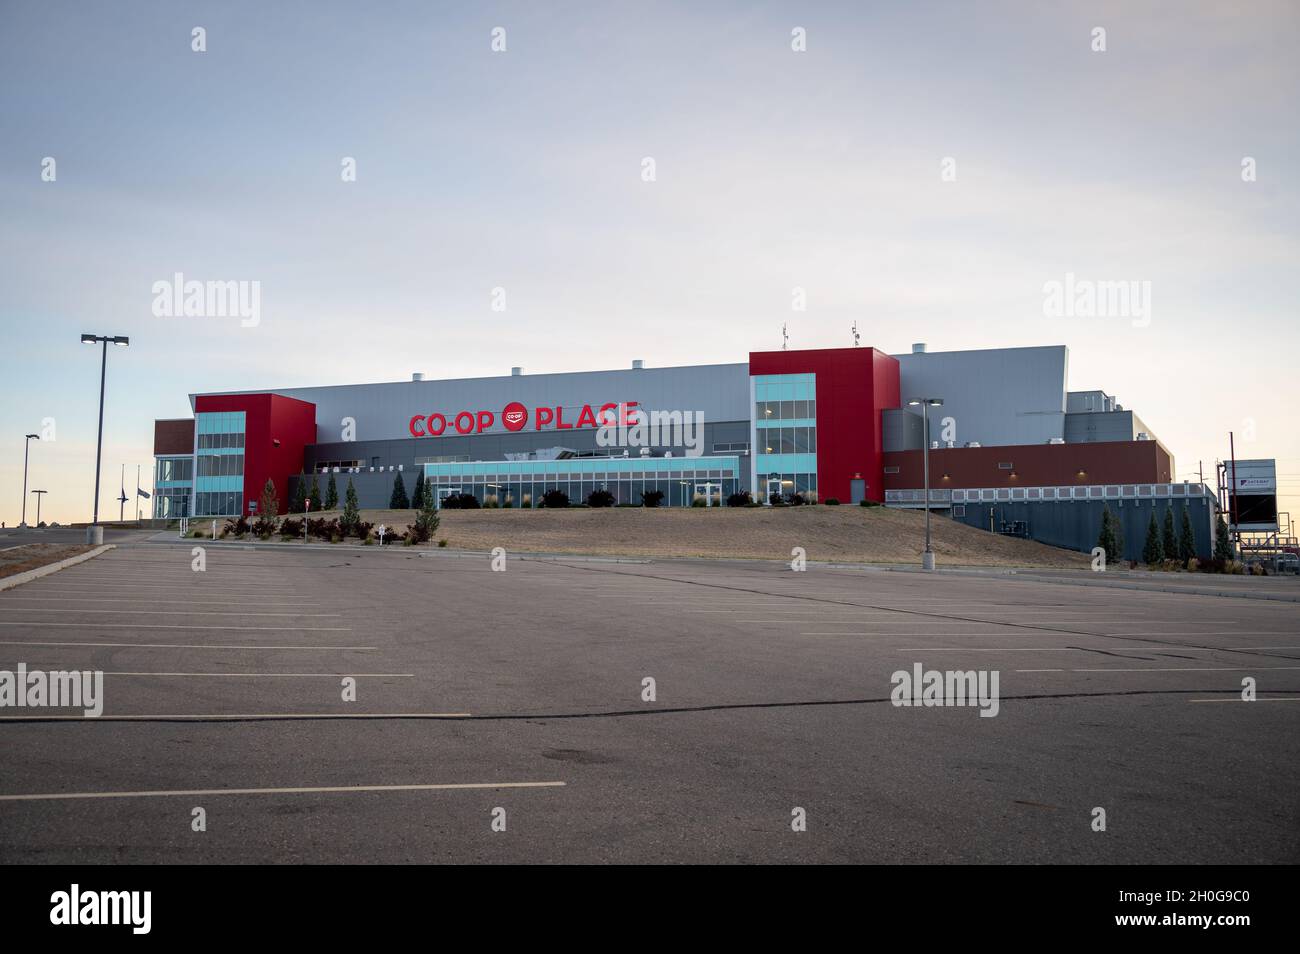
[822, 169]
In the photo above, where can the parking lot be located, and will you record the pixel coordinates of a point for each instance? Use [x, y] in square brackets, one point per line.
[524, 690]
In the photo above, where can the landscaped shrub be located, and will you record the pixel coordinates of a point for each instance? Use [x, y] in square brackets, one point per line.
[651, 498]
[442, 542]
[291, 527]
[740, 498]
[600, 498]
[555, 498]
[699, 502]
[460, 502]
[239, 527]
[832, 502]
[796, 500]
[776, 500]
[361, 529]
[867, 503]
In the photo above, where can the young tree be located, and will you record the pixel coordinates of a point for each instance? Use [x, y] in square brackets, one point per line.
[331, 494]
[1222, 540]
[417, 495]
[269, 506]
[1168, 539]
[1106, 539]
[398, 500]
[314, 494]
[299, 503]
[1186, 538]
[1153, 552]
[426, 519]
[351, 515]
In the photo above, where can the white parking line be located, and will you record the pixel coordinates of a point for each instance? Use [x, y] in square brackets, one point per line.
[1180, 669]
[64, 609]
[245, 629]
[1236, 699]
[1085, 649]
[274, 675]
[147, 601]
[235, 717]
[41, 642]
[204, 792]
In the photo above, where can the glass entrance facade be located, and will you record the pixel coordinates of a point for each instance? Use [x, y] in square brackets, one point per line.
[785, 425]
[173, 482]
[521, 483]
[219, 463]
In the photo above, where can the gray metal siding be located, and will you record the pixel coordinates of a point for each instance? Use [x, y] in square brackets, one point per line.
[383, 411]
[996, 397]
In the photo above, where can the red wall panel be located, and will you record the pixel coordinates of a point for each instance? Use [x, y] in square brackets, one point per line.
[853, 386]
[268, 418]
[1033, 465]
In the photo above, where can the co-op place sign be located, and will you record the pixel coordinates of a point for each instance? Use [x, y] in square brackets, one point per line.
[515, 417]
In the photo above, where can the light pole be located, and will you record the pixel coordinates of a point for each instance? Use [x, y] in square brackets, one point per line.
[95, 533]
[927, 558]
[38, 505]
[27, 444]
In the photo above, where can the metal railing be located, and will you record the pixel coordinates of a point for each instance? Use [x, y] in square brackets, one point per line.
[940, 497]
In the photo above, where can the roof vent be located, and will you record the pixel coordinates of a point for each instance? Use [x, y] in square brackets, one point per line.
[417, 376]
[1143, 436]
[918, 348]
[515, 372]
[638, 365]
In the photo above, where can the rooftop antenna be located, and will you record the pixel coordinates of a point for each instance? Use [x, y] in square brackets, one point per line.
[856, 337]
[785, 338]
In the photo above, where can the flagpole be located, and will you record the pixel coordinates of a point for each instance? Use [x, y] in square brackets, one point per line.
[137, 493]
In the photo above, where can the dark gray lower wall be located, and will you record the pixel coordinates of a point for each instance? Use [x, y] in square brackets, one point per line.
[374, 491]
[1076, 524]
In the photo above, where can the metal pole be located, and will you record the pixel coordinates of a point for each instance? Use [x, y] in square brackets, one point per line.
[1232, 450]
[99, 441]
[927, 560]
[27, 446]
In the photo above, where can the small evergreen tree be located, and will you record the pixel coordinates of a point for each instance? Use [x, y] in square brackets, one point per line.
[417, 496]
[351, 515]
[1222, 540]
[1153, 552]
[398, 500]
[1117, 524]
[299, 503]
[1106, 539]
[1169, 539]
[331, 494]
[1186, 538]
[426, 519]
[269, 506]
[314, 494]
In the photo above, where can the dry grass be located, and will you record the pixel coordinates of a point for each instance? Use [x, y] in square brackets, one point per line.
[838, 534]
[34, 555]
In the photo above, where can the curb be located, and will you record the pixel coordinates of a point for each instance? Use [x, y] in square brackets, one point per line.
[18, 579]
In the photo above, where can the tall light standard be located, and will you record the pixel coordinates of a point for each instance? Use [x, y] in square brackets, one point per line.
[27, 444]
[95, 533]
[38, 504]
[927, 558]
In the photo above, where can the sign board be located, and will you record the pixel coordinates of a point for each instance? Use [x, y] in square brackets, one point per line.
[1252, 490]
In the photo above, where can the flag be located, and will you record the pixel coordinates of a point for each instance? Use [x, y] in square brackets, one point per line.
[142, 493]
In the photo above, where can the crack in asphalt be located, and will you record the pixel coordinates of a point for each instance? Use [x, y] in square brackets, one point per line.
[603, 714]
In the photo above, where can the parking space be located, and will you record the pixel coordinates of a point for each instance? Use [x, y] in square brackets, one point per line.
[664, 711]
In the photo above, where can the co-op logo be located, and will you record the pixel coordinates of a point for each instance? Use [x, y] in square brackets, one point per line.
[515, 417]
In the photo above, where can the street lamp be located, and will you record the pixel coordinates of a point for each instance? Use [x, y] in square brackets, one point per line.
[927, 558]
[38, 504]
[26, 447]
[95, 533]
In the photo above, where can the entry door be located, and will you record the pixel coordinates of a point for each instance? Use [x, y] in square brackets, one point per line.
[712, 494]
[773, 487]
[444, 493]
[857, 491]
